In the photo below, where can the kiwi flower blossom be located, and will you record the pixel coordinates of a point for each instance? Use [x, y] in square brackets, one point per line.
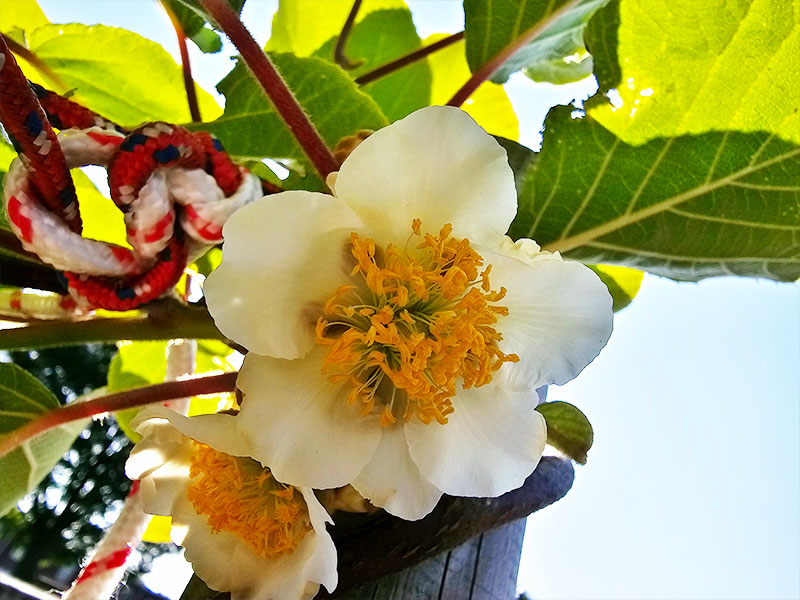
[396, 335]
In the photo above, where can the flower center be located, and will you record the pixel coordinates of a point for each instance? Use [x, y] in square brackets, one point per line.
[239, 496]
[414, 322]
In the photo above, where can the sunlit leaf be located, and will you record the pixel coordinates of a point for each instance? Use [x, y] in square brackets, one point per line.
[556, 54]
[720, 203]
[568, 429]
[23, 15]
[138, 364]
[22, 399]
[379, 38]
[117, 73]
[684, 67]
[302, 26]
[489, 105]
[250, 127]
[102, 220]
[623, 283]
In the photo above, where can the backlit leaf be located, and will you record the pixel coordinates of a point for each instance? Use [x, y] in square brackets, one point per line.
[22, 399]
[250, 127]
[694, 206]
[116, 73]
[379, 38]
[686, 67]
[556, 54]
[302, 26]
[489, 105]
[623, 283]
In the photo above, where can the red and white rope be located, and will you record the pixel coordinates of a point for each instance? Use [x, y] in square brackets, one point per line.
[107, 564]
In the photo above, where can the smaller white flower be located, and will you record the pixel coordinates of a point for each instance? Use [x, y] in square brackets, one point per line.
[244, 532]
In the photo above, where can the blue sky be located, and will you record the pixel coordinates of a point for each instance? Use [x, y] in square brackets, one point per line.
[692, 489]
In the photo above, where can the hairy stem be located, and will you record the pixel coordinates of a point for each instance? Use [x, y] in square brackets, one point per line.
[161, 392]
[338, 52]
[491, 67]
[408, 59]
[183, 322]
[274, 86]
[188, 81]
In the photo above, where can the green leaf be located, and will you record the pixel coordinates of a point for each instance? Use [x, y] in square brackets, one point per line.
[207, 40]
[251, 129]
[520, 159]
[556, 54]
[489, 105]
[623, 283]
[568, 429]
[7, 154]
[688, 67]
[22, 399]
[117, 73]
[102, 220]
[138, 364]
[380, 37]
[23, 15]
[694, 206]
[302, 26]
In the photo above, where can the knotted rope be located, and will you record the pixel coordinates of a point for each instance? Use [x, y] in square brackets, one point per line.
[150, 169]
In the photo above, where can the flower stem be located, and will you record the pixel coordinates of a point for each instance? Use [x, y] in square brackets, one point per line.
[175, 322]
[274, 86]
[491, 67]
[188, 81]
[161, 392]
[408, 59]
[338, 52]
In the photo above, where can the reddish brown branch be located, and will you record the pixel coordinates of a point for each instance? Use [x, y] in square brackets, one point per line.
[186, 67]
[408, 59]
[274, 86]
[213, 384]
[341, 42]
[491, 67]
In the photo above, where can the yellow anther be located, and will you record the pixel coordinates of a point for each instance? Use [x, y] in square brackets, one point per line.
[239, 496]
[428, 323]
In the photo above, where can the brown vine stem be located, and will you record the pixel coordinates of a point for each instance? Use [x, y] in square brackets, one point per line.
[338, 52]
[186, 66]
[489, 69]
[29, 56]
[164, 322]
[408, 59]
[274, 86]
[212, 384]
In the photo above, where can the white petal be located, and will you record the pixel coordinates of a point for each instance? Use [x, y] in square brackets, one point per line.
[227, 563]
[491, 443]
[559, 317]
[300, 424]
[392, 481]
[436, 165]
[282, 254]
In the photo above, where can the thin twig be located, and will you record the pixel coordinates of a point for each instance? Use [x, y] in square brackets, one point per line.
[37, 62]
[161, 392]
[274, 86]
[188, 82]
[408, 59]
[338, 52]
[491, 67]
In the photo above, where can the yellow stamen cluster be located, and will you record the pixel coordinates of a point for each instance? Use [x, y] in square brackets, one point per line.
[239, 496]
[414, 322]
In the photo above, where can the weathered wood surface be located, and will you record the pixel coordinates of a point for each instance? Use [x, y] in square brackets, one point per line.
[384, 549]
[484, 568]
